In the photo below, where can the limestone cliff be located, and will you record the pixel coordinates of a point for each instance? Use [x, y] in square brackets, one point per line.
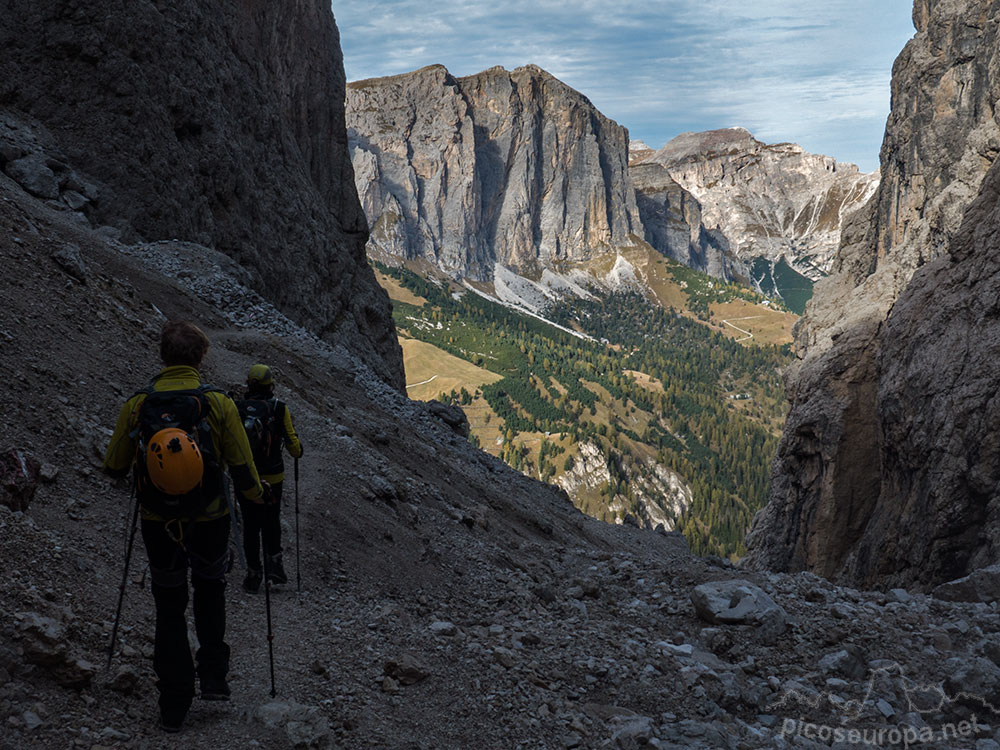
[769, 200]
[502, 167]
[889, 467]
[233, 137]
[673, 223]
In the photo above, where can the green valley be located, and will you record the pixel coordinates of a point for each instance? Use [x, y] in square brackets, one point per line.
[641, 412]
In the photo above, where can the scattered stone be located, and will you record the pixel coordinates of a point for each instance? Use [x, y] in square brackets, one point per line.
[739, 602]
[453, 416]
[10, 152]
[33, 174]
[982, 585]
[848, 662]
[389, 685]
[885, 708]
[110, 733]
[125, 681]
[546, 593]
[900, 595]
[48, 473]
[77, 184]
[634, 729]
[504, 657]
[318, 668]
[68, 258]
[31, 720]
[407, 670]
[305, 726]
[74, 200]
[975, 680]
[443, 628]
[841, 611]
[44, 642]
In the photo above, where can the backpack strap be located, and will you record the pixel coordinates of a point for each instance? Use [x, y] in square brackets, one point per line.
[134, 432]
[279, 418]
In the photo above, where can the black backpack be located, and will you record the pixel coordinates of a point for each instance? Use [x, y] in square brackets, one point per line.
[186, 410]
[263, 427]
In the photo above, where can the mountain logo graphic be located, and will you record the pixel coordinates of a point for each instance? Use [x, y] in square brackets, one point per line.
[921, 697]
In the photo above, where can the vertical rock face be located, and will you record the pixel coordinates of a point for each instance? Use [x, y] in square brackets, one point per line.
[673, 223]
[889, 468]
[769, 200]
[233, 137]
[500, 167]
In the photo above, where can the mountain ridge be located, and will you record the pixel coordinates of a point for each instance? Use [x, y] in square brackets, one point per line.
[535, 175]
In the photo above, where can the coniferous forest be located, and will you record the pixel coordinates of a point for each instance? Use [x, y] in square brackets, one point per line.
[650, 388]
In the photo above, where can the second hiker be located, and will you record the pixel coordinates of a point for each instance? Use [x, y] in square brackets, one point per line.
[268, 424]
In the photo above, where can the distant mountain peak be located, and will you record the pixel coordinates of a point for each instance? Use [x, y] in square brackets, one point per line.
[700, 144]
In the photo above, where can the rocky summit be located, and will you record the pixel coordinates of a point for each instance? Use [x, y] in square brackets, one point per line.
[509, 167]
[888, 468]
[768, 200]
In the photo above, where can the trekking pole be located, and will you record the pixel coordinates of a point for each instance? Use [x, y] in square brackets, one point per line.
[298, 567]
[121, 588]
[270, 633]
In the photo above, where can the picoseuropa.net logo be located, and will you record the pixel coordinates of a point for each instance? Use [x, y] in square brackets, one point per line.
[899, 736]
[862, 721]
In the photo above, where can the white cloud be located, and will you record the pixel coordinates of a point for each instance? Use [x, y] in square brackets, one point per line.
[788, 70]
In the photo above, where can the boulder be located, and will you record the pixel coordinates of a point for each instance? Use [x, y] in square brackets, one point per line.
[33, 174]
[738, 602]
[981, 585]
[68, 258]
[452, 416]
[406, 670]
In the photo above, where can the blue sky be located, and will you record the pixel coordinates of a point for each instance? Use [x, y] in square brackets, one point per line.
[813, 73]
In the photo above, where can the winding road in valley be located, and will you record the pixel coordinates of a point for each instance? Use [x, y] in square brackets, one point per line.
[748, 335]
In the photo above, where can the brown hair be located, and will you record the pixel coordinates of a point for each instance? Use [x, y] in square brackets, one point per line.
[182, 343]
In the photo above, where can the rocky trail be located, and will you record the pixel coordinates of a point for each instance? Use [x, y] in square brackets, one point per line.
[448, 602]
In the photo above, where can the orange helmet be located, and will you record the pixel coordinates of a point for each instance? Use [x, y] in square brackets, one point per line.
[174, 462]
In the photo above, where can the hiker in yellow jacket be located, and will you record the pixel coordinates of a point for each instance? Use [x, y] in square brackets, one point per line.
[268, 424]
[169, 472]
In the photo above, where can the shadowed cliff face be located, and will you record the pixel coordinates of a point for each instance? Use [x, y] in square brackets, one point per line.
[509, 167]
[672, 221]
[890, 460]
[233, 137]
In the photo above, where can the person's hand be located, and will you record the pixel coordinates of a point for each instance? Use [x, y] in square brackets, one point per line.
[268, 497]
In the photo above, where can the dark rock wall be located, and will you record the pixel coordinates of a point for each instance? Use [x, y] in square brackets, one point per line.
[220, 123]
[889, 468]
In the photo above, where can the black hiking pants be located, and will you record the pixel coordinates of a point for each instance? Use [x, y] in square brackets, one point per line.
[204, 548]
[262, 523]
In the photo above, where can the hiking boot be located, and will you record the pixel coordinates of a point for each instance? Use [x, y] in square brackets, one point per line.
[251, 584]
[171, 720]
[275, 570]
[215, 690]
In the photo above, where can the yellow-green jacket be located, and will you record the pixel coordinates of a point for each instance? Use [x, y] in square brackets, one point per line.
[228, 437]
